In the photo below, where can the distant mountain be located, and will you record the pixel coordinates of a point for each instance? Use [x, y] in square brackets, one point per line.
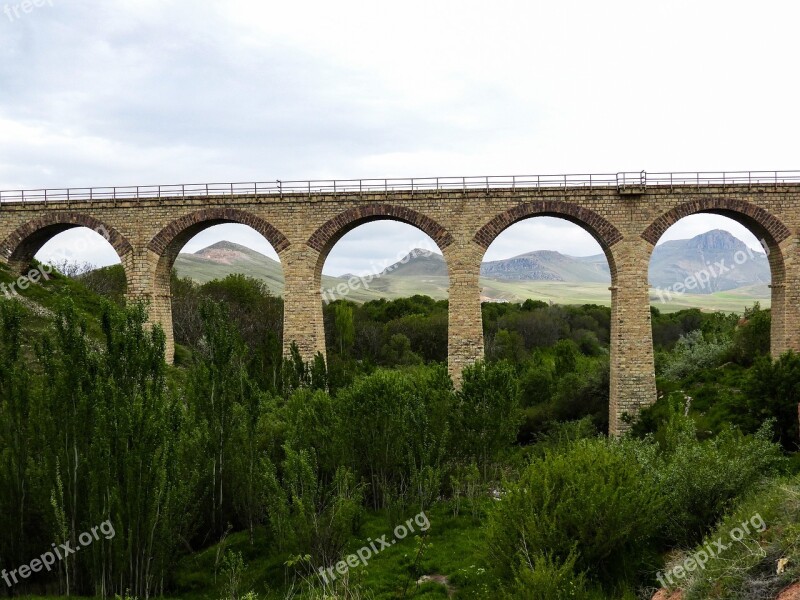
[220, 259]
[418, 263]
[541, 274]
[547, 265]
[726, 261]
[541, 265]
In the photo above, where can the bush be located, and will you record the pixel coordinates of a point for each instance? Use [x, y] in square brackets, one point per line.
[692, 353]
[397, 428]
[773, 390]
[752, 338]
[545, 578]
[700, 479]
[593, 499]
[488, 407]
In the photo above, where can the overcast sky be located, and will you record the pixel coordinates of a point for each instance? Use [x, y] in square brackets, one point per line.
[118, 92]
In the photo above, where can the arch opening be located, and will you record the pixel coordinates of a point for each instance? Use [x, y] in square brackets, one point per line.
[715, 276]
[384, 286]
[227, 258]
[76, 246]
[546, 306]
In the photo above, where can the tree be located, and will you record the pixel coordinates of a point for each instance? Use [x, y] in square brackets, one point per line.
[773, 392]
[344, 327]
[489, 409]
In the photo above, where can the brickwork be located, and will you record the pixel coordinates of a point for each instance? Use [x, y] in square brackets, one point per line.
[148, 234]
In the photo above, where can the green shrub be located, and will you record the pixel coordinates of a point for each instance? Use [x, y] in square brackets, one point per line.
[773, 391]
[594, 495]
[544, 578]
[700, 479]
[752, 339]
[397, 429]
[488, 407]
[692, 353]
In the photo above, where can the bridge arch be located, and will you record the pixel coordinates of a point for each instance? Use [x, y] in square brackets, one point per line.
[20, 247]
[304, 324]
[168, 242]
[326, 236]
[597, 226]
[172, 237]
[769, 229]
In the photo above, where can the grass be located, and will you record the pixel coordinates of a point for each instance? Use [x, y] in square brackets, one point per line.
[452, 548]
[43, 298]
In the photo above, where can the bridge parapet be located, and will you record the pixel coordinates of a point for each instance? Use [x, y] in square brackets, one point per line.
[624, 182]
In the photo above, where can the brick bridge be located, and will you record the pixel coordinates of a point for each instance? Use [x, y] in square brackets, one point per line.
[626, 214]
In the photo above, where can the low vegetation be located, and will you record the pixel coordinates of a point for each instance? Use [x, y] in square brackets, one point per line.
[239, 473]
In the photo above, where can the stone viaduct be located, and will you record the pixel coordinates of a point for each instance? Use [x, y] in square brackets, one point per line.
[626, 214]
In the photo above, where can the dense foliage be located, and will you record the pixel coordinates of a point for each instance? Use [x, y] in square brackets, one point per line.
[296, 464]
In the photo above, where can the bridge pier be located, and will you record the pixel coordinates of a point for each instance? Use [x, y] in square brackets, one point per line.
[465, 322]
[302, 302]
[632, 376]
[148, 283]
[785, 311]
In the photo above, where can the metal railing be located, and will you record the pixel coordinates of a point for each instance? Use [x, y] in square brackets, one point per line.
[622, 180]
